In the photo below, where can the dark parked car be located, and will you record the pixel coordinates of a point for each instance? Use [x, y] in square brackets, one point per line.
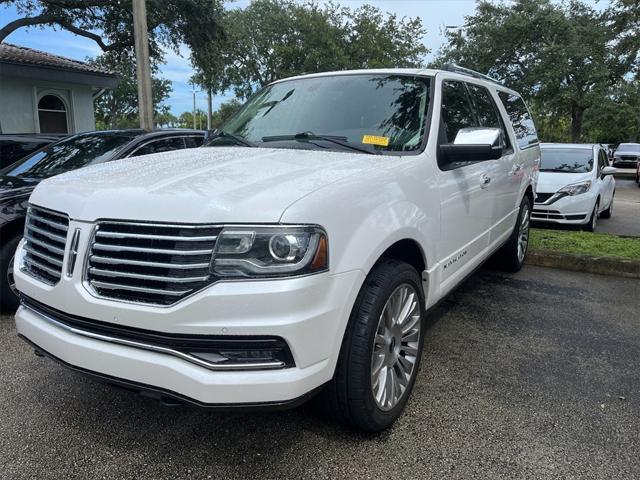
[627, 155]
[18, 180]
[18, 146]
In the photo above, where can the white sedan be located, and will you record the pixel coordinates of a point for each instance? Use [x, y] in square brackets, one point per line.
[576, 185]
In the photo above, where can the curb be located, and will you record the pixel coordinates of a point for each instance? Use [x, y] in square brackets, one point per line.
[613, 266]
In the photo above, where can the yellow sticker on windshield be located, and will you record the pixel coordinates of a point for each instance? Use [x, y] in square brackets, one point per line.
[375, 140]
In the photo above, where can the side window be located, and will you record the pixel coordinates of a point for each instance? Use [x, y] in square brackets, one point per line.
[193, 142]
[602, 160]
[487, 110]
[520, 119]
[457, 112]
[163, 145]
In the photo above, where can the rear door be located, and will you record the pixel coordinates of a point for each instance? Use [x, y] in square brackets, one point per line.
[466, 193]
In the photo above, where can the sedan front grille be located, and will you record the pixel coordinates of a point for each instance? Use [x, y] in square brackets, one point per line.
[45, 235]
[150, 263]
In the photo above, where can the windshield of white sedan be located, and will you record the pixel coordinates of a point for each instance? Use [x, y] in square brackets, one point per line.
[569, 160]
[366, 113]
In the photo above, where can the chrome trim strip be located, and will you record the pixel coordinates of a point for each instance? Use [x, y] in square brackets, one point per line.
[47, 258]
[142, 263]
[33, 262]
[119, 235]
[73, 252]
[156, 348]
[48, 246]
[51, 223]
[119, 286]
[141, 276]
[53, 236]
[123, 248]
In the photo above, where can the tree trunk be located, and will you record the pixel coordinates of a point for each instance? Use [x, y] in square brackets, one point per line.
[577, 117]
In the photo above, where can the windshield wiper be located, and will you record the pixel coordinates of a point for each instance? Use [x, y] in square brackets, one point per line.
[342, 141]
[239, 139]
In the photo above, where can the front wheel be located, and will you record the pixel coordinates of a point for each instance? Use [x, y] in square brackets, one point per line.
[8, 300]
[381, 350]
[593, 220]
[511, 256]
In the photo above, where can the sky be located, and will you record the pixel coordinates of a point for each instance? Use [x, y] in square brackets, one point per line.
[435, 15]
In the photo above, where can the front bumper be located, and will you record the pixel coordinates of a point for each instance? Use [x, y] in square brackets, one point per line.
[625, 163]
[569, 210]
[309, 313]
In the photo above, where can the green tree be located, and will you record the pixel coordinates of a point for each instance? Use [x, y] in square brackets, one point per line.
[616, 119]
[272, 39]
[224, 112]
[118, 108]
[185, 120]
[561, 56]
[109, 23]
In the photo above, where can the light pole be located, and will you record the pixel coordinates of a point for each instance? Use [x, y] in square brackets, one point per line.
[143, 68]
[194, 107]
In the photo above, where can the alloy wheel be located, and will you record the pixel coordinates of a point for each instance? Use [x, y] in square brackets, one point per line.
[523, 233]
[395, 347]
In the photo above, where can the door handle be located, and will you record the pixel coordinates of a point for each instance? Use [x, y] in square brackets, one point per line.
[485, 180]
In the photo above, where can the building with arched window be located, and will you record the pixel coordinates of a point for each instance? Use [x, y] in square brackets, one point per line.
[45, 93]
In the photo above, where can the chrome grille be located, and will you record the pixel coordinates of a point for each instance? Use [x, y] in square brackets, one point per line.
[150, 263]
[45, 234]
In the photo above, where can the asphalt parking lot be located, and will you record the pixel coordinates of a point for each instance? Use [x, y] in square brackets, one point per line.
[533, 375]
[626, 210]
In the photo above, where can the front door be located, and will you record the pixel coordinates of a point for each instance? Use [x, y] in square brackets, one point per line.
[466, 193]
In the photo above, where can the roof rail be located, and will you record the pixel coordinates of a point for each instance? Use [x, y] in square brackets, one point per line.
[452, 67]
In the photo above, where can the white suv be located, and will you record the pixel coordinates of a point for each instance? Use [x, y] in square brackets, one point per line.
[296, 254]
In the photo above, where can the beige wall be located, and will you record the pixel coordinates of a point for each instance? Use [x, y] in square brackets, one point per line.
[18, 102]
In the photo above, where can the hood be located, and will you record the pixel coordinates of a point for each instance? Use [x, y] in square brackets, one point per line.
[14, 186]
[210, 184]
[551, 182]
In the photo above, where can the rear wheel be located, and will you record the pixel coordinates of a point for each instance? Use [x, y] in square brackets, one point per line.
[511, 256]
[8, 300]
[381, 350]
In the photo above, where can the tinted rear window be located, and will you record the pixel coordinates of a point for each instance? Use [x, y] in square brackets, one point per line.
[521, 119]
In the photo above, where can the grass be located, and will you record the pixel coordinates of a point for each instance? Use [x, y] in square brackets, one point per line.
[585, 243]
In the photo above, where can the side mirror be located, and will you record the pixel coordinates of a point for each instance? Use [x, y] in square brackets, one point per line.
[608, 171]
[474, 145]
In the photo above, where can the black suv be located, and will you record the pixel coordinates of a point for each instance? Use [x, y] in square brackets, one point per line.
[18, 180]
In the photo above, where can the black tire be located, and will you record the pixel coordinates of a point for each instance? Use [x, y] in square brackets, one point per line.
[508, 258]
[609, 211]
[593, 219]
[349, 396]
[8, 300]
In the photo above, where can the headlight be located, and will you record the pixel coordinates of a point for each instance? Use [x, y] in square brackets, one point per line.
[267, 252]
[576, 188]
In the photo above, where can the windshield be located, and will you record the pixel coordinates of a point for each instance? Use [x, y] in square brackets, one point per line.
[383, 112]
[74, 152]
[629, 147]
[569, 160]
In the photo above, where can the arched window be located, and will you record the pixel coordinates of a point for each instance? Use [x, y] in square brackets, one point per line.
[52, 115]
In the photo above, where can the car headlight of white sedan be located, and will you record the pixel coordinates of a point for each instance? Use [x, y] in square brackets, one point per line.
[576, 188]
